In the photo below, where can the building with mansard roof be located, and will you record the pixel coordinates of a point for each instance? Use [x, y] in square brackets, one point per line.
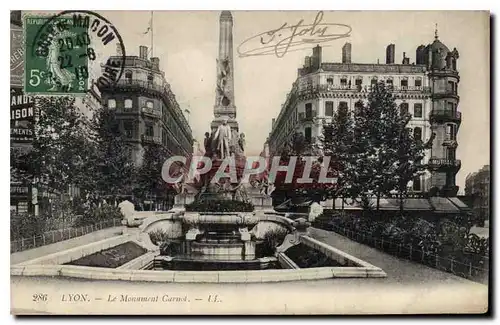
[426, 88]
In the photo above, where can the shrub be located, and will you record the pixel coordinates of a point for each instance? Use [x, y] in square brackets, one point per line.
[98, 214]
[219, 206]
[272, 239]
[23, 225]
[158, 236]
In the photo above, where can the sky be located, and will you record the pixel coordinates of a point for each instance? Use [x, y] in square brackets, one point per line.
[187, 44]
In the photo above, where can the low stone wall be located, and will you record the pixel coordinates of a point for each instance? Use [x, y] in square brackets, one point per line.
[72, 254]
[139, 262]
[193, 276]
[286, 262]
[335, 254]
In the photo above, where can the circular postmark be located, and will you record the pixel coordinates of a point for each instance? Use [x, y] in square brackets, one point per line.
[64, 47]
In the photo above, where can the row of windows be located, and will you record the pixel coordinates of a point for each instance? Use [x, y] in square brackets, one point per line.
[166, 117]
[329, 109]
[128, 104]
[131, 131]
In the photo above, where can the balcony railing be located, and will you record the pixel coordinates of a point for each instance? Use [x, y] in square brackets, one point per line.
[358, 88]
[151, 112]
[435, 163]
[446, 115]
[150, 139]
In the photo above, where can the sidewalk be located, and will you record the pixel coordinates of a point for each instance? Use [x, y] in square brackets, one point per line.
[398, 270]
[482, 232]
[29, 254]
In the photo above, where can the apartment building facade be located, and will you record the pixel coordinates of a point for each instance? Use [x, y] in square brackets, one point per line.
[426, 89]
[147, 108]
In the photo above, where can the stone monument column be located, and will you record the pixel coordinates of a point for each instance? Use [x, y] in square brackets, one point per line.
[225, 107]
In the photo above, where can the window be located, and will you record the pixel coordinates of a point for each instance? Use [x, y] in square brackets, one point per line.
[359, 81]
[128, 104]
[417, 184]
[417, 110]
[111, 103]
[328, 108]
[358, 104]
[149, 104]
[343, 106]
[450, 153]
[417, 134]
[450, 132]
[451, 87]
[308, 134]
[389, 83]
[128, 76]
[164, 137]
[343, 81]
[309, 84]
[309, 110]
[403, 108]
[418, 82]
[373, 83]
[451, 107]
[454, 64]
[150, 78]
[128, 127]
[329, 81]
[404, 83]
[149, 129]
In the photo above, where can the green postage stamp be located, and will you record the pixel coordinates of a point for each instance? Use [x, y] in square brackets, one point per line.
[57, 52]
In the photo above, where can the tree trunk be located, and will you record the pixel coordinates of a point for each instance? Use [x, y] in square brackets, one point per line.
[378, 201]
[401, 203]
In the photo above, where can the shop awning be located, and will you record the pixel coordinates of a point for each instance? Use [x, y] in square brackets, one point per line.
[443, 205]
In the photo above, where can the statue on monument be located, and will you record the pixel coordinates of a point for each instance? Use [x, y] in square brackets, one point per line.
[225, 70]
[223, 139]
[241, 142]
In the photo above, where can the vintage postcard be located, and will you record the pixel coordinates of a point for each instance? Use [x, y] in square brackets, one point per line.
[249, 162]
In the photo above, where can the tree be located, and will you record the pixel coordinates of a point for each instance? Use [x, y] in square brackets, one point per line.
[336, 142]
[314, 190]
[110, 170]
[149, 180]
[59, 137]
[387, 155]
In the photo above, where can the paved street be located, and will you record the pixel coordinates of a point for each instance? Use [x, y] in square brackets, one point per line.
[483, 232]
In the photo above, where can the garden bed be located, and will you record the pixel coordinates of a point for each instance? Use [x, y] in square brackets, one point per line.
[306, 257]
[219, 206]
[112, 257]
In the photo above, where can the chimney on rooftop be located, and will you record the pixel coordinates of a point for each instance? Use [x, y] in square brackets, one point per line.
[317, 57]
[156, 63]
[405, 59]
[307, 62]
[390, 53]
[143, 52]
[421, 54]
[346, 53]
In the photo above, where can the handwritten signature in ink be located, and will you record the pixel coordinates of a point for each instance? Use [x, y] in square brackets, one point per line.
[288, 38]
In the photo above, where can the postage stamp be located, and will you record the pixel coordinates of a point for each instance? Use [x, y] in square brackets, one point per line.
[61, 50]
